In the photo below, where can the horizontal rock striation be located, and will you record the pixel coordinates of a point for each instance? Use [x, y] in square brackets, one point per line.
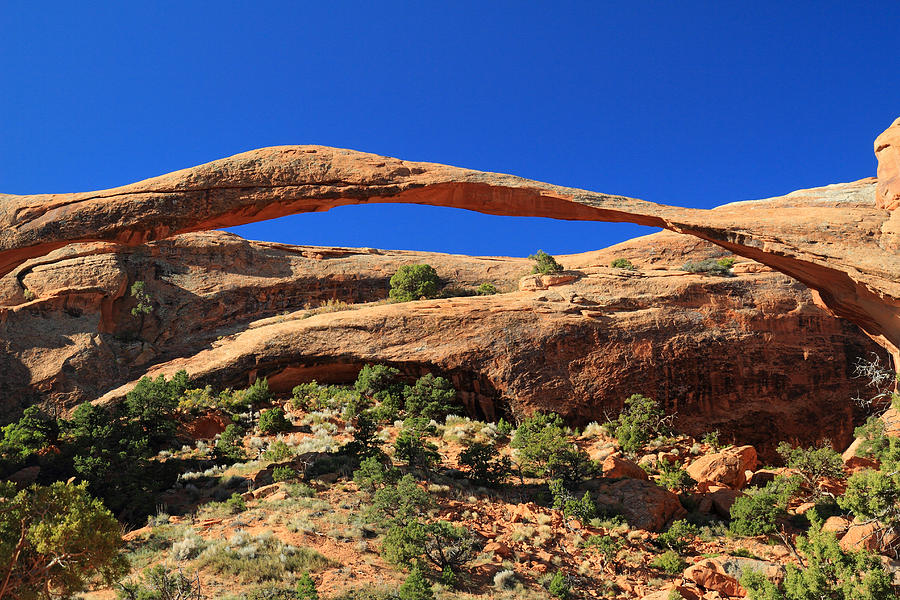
[835, 239]
[751, 355]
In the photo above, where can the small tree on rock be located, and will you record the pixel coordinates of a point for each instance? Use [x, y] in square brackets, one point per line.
[412, 282]
[544, 264]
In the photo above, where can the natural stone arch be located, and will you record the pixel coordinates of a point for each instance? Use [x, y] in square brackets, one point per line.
[833, 239]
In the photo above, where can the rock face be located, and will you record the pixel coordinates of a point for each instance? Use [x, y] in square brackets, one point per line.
[834, 239]
[751, 356]
[887, 149]
[754, 356]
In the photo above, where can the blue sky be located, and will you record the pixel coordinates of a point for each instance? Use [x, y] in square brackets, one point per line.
[688, 103]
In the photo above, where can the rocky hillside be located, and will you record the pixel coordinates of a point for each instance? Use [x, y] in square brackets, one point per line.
[722, 352]
[596, 429]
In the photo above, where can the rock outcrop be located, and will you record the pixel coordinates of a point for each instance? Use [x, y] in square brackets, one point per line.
[834, 239]
[887, 149]
[751, 356]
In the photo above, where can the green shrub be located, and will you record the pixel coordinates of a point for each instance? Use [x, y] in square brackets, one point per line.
[143, 301]
[306, 588]
[544, 263]
[669, 562]
[415, 587]
[484, 465]
[504, 427]
[236, 504]
[412, 282]
[721, 267]
[813, 464]
[430, 397]
[622, 263]
[487, 289]
[401, 503]
[404, 543]
[412, 445]
[373, 473]
[559, 585]
[828, 571]
[678, 536]
[273, 421]
[258, 394]
[283, 473]
[674, 478]
[306, 396]
[447, 547]
[230, 444]
[196, 400]
[874, 496]
[233, 402]
[111, 453]
[278, 451]
[56, 538]
[640, 421]
[32, 432]
[583, 509]
[158, 583]
[711, 438]
[152, 404]
[376, 378]
[545, 448]
[757, 512]
[366, 443]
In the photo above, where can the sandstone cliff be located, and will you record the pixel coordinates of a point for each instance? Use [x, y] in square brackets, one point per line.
[724, 353]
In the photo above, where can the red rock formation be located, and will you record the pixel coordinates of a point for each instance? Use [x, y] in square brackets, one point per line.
[727, 467]
[833, 239]
[887, 149]
[750, 355]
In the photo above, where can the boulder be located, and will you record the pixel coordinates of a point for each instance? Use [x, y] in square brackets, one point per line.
[265, 491]
[499, 549]
[643, 504]
[837, 525]
[709, 575]
[685, 592]
[738, 566]
[722, 500]
[726, 468]
[868, 536]
[617, 467]
[762, 477]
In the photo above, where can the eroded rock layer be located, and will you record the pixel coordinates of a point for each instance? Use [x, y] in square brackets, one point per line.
[751, 355]
[834, 239]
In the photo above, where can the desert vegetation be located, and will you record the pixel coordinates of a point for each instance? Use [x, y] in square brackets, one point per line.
[385, 479]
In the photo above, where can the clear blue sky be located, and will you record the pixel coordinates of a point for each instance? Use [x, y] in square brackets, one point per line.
[689, 103]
